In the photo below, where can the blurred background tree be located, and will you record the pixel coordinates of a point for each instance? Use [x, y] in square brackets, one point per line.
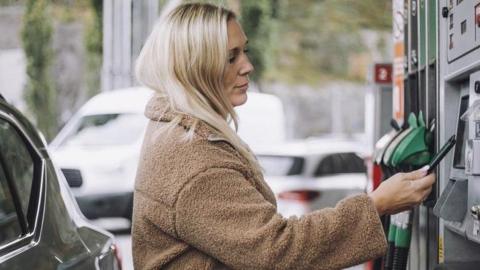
[302, 43]
[307, 41]
[10, 2]
[314, 40]
[63, 72]
[257, 21]
[37, 42]
[93, 44]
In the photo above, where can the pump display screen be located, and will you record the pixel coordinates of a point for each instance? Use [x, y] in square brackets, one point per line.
[462, 137]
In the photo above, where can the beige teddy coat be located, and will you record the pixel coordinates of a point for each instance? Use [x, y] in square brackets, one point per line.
[199, 205]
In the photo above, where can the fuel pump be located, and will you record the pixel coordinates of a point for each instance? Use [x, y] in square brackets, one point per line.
[408, 150]
[436, 70]
[472, 163]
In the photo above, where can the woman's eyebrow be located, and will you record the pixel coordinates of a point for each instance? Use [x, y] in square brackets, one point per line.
[236, 49]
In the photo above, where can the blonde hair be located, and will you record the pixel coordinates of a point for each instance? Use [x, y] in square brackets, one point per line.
[184, 59]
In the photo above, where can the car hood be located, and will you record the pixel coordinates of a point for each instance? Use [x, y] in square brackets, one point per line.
[74, 157]
[103, 169]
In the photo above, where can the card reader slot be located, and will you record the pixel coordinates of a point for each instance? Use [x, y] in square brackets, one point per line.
[452, 204]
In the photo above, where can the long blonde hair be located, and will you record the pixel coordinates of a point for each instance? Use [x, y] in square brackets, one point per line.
[184, 59]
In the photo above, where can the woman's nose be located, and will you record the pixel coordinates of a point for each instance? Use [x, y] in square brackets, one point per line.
[247, 67]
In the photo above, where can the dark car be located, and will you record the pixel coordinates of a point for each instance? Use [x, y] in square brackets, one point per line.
[41, 226]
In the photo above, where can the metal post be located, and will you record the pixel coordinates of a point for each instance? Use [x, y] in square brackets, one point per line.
[117, 43]
[144, 15]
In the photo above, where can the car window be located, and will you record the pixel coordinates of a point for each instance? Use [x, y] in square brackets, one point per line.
[9, 224]
[107, 129]
[18, 162]
[340, 163]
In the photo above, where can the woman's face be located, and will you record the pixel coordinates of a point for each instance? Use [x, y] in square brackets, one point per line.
[235, 79]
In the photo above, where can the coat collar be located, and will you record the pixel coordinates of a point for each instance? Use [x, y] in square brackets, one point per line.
[159, 109]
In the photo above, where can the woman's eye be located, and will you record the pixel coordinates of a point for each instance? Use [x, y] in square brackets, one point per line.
[233, 58]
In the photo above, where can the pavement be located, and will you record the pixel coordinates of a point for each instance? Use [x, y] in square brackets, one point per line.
[124, 243]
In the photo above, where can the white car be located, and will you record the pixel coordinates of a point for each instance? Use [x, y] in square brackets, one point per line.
[261, 120]
[306, 175]
[99, 148]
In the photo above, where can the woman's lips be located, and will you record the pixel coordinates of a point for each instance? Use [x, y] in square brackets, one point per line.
[243, 86]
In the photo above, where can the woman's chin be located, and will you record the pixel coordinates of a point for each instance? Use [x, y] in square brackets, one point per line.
[239, 99]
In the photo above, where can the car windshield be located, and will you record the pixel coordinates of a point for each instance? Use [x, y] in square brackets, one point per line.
[107, 130]
[281, 165]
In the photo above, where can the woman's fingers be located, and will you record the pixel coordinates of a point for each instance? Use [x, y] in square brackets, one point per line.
[424, 182]
[423, 187]
[426, 193]
[403, 191]
[414, 175]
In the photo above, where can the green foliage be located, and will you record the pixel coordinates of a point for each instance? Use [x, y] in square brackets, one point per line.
[37, 42]
[308, 41]
[94, 47]
[11, 2]
[316, 39]
[94, 33]
[256, 19]
[370, 14]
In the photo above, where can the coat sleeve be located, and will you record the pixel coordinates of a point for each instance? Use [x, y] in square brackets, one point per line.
[220, 213]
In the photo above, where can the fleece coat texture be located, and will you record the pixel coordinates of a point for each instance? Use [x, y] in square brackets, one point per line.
[199, 205]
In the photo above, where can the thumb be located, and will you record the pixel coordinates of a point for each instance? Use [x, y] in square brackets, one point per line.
[414, 175]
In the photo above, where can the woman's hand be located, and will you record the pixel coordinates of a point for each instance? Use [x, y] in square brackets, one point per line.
[402, 191]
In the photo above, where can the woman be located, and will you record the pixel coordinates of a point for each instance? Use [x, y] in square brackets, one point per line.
[200, 198]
